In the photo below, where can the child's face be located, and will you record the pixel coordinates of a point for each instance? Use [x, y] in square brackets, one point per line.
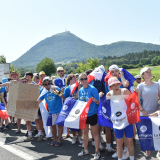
[73, 80]
[115, 73]
[115, 86]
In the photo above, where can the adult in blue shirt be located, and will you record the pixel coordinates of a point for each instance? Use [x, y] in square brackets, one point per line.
[54, 103]
[61, 81]
[85, 93]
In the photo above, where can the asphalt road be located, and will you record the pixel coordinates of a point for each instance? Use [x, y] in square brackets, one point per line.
[12, 147]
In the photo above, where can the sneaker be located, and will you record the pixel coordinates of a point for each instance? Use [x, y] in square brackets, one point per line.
[97, 155]
[80, 140]
[148, 157]
[74, 140]
[83, 152]
[7, 127]
[28, 139]
[102, 140]
[158, 155]
[93, 143]
[115, 155]
[125, 154]
[110, 151]
[101, 148]
[1, 129]
[40, 138]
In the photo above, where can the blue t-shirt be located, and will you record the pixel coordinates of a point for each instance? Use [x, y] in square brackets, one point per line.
[85, 94]
[67, 92]
[3, 90]
[58, 82]
[53, 101]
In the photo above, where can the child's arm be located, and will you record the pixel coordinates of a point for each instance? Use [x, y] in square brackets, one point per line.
[155, 114]
[108, 95]
[39, 101]
[124, 81]
[5, 84]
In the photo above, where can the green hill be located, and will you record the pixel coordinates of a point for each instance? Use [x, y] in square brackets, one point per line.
[67, 47]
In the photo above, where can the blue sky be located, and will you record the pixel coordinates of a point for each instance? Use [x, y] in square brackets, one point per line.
[26, 22]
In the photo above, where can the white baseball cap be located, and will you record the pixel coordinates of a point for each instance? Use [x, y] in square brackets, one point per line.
[113, 67]
[46, 79]
[137, 76]
[145, 69]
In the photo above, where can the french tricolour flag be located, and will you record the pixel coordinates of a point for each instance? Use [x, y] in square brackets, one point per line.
[96, 74]
[119, 112]
[149, 133]
[3, 112]
[74, 113]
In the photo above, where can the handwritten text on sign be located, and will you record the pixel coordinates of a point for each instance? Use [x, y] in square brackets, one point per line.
[26, 110]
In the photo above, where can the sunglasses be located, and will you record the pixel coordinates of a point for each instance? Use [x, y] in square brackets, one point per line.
[24, 81]
[83, 79]
[47, 84]
[61, 71]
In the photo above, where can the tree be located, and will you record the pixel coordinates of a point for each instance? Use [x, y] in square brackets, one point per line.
[2, 59]
[91, 64]
[12, 68]
[155, 60]
[82, 67]
[125, 66]
[47, 65]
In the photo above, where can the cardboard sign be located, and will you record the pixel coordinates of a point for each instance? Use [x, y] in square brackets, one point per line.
[22, 101]
[26, 110]
[13, 97]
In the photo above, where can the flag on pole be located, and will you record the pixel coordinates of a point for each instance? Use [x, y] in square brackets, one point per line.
[119, 112]
[74, 113]
[149, 133]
